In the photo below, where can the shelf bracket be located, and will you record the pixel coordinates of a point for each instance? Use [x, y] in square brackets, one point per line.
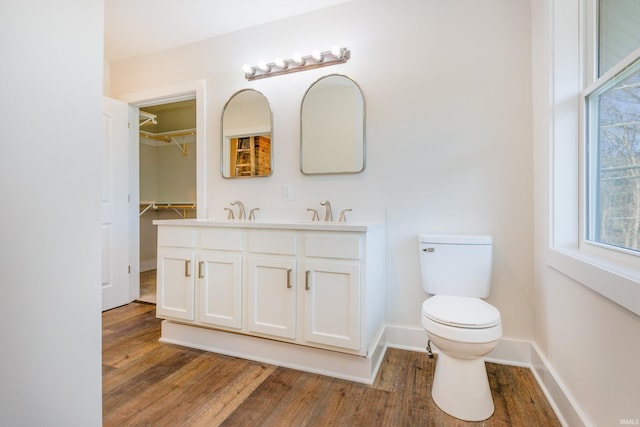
[181, 147]
[147, 118]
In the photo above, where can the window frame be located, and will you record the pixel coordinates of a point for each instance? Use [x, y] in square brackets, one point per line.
[590, 161]
[613, 273]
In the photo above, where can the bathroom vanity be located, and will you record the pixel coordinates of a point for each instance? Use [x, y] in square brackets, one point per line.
[302, 294]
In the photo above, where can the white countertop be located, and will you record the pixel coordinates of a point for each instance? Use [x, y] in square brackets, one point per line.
[273, 224]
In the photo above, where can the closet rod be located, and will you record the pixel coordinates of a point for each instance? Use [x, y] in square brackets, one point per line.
[175, 206]
[166, 136]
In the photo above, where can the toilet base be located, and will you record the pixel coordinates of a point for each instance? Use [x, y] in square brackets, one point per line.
[461, 388]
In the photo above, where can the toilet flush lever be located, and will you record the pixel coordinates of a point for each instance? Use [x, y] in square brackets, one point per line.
[429, 250]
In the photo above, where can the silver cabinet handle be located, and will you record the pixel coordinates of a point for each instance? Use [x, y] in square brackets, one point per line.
[289, 278]
[200, 270]
[187, 268]
[307, 285]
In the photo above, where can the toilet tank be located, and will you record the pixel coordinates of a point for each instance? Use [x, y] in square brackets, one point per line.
[456, 265]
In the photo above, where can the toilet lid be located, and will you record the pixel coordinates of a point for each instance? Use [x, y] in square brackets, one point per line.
[462, 312]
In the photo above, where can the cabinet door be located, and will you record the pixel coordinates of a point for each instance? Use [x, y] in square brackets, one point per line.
[176, 281]
[271, 296]
[220, 289]
[332, 304]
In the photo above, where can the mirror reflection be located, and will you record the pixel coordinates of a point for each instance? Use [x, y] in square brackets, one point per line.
[246, 136]
[332, 127]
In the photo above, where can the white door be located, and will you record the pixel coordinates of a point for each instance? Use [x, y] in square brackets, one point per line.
[272, 296]
[116, 288]
[332, 304]
[220, 287]
[176, 283]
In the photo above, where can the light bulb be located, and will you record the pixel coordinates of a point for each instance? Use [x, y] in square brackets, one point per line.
[317, 55]
[280, 63]
[297, 58]
[336, 51]
[248, 70]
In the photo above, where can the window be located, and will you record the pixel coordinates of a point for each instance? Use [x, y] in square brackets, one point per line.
[618, 32]
[614, 161]
[588, 171]
[613, 135]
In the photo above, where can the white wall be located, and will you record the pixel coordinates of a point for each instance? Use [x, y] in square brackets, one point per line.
[590, 343]
[148, 173]
[447, 92]
[176, 174]
[51, 103]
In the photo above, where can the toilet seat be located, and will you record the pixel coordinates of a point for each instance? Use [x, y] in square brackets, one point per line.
[461, 319]
[461, 312]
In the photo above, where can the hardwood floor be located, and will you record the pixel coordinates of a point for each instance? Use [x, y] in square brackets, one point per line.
[146, 382]
[148, 286]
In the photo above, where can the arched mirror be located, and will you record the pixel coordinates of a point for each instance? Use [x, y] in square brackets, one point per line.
[246, 136]
[332, 127]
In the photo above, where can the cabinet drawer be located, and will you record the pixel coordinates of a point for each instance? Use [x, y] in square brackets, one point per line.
[333, 246]
[272, 242]
[226, 239]
[181, 237]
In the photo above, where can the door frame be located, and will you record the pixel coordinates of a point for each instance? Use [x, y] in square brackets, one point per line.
[180, 92]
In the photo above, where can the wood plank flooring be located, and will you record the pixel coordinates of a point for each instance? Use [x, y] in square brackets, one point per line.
[148, 286]
[146, 382]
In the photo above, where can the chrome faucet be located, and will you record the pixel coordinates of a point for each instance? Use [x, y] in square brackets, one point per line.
[241, 214]
[328, 215]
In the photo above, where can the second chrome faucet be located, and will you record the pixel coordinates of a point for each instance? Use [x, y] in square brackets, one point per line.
[241, 213]
[328, 215]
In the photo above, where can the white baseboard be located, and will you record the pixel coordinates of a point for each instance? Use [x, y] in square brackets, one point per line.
[563, 404]
[508, 352]
[318, 361]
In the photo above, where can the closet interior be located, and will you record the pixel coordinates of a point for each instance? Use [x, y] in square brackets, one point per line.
[167, 177]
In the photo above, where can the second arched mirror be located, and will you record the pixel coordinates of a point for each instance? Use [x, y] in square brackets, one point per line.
[332, 127]
[246, 136]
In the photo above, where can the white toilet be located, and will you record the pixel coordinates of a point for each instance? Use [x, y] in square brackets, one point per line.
[456, 271]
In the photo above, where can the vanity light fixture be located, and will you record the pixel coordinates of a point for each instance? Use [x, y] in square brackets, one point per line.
[337, 55]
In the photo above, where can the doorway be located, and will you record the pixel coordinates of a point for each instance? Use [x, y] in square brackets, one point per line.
[163, 194]
[167, 175]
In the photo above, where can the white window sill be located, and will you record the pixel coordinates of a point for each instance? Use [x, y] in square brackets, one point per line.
[617, 282]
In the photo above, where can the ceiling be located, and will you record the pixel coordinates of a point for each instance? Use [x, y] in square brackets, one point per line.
[139, 27]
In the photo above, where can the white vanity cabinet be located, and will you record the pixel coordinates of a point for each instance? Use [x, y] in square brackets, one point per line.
[219, 284]
[271, 284]
[199, 275]
[333, 289]
[275, 292]
[175, 273]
